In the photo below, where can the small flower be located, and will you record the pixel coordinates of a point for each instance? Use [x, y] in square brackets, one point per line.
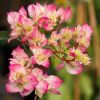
[64, 14]
[36, 11]
[22, 11]
[20, 57]
[46, 23]
[40, 56]
[20, 80]
[54, 83]
[65, 35]
[37, 39]
[41, 88]
[31, 11]
[47, 84]
[53, 40]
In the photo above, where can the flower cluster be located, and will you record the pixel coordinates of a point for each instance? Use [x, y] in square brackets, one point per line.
[25, 77]
[40, 29]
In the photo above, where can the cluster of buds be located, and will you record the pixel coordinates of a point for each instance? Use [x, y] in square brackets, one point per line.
[39, 28]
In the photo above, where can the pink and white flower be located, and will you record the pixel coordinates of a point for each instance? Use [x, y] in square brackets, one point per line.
[20, 57]
[64, 14]
[46, 23]
[65, 35]
[54, 83]
[41, 56]
[47, 84]
[53, 40]
[20, 80]
[36, 38]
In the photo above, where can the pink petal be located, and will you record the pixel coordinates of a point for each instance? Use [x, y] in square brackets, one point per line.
[21, 19]
[22, 11]
[19, 52]
[68, 13]
[42, 88]
[17, 67]
[12, 17]
[51, 7]
[76, 68]
[47, 52]
[12, 87]
[37, 72]
[61, 14]
[87, 29]
[54, 82]
[46, 64]
[45, 23]
[25, 92]
[31, 10]
[32, 82]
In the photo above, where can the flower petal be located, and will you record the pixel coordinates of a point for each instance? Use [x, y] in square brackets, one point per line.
[54, 81]
[22, 11]
[76, 68]
[41, 88]
[25, 92]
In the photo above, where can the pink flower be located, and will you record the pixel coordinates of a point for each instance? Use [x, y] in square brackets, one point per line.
[16, 72]
[65, 35]
[40, 56]
[54, 83]
[46, 23]
[54, 38]
[86, 28]
[46, 83]
[19, 52]
[31, 11]
[64, 14]
[36, 38]
[24, 22]
[41, 88]
[45, 15]
[20, 80]
[37, 72]
[20, 24]
[20, 57]
[82, 35]
[51, 12]
[22, 11]
[68, 13]
[51, 7]
[36, 11]
[12, 18]
[23, 87]
[86, 36]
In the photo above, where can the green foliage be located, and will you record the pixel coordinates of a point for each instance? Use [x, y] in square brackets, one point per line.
[86, 86]
[3, 37]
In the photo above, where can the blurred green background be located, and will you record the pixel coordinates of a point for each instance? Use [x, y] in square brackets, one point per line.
[85, 86]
